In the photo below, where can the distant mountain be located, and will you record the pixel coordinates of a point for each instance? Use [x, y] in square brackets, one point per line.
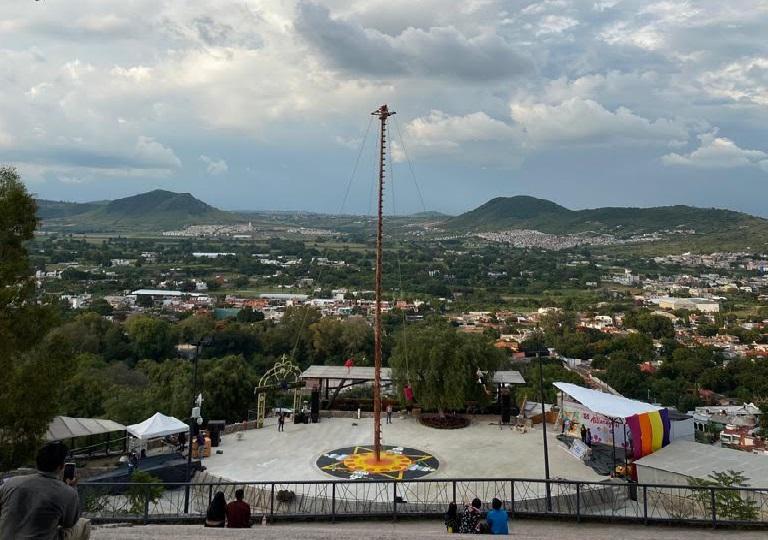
[523, 212]
[429, 214]
[155, 210]
[59, 209]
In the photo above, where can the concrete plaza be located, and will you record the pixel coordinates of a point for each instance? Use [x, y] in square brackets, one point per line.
[481, 450]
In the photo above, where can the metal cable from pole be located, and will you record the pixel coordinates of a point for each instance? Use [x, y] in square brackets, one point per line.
[341, 210]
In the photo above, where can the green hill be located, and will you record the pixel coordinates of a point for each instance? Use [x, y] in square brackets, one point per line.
[152, 211]
[60, 209]
[523, 212]
[714, 228]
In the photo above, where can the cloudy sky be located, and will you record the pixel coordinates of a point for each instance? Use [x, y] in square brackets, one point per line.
[265, 104]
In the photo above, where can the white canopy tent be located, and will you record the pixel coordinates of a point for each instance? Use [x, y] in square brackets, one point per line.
[616, 407]
[158, 425]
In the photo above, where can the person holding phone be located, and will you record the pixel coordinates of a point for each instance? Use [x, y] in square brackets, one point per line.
[45, 504]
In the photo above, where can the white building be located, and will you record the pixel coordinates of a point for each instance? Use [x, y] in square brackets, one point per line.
[705, 305]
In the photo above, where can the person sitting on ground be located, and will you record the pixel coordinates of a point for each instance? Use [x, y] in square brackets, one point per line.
[470, 519]
[452, 518]
[239, 512]
[41, 505]
[497, 518]
[217, 511]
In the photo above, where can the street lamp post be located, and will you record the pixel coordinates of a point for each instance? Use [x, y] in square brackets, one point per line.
[197, 400]
[544, 432]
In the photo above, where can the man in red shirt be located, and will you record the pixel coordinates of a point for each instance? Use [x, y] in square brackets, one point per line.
[238, 512]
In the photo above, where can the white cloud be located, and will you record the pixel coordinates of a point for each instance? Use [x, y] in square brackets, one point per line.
[578, 120]
[745, 80]
[440, 51]
[718, 153]
[214, 167]
[470, 135]
[152, 154]
[555, 24]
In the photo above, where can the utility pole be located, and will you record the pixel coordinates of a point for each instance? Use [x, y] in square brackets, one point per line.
[544, 432]
[383, 113]
[195, 404]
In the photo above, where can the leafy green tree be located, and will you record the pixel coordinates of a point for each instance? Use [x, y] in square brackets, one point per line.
[101, 306]
[145, 487]
[729, 503]
[152, 338]
[441, 365]
[626, 378]
[249, 315]
[656, 326]
[32, 362]
[194, 328]
[227, 387]
[86, 390]
[170, 387]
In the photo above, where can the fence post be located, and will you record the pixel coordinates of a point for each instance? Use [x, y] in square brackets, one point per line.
[645, 505]
[272, 501]
[147, 488]
[454, 491]
[714, 507]
[394, 501]
[210, 493]
[333, 502]
[578, 503]
[512, 499]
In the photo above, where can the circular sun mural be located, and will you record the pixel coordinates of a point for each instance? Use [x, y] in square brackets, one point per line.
[359, 462]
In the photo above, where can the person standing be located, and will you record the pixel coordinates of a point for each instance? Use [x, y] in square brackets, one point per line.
[281, 422]
[497, 518]
[41, 505]
[583, 434]
[200, 445]
[239, 512]
[408, 393]
[389, 413]
[589, 438]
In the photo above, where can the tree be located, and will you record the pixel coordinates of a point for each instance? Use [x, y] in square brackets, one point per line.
[626, 378]
[194, 328]
[249, 315]
[145, 489]
[101, 306]
[152, 338]
[32, 362]
[227, 386]
[84, 394]
[441, 365]
[729, 504]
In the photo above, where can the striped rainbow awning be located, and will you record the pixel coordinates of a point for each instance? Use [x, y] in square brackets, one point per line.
[650, 431]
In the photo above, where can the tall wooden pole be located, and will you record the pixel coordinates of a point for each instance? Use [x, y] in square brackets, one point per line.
[383, 113]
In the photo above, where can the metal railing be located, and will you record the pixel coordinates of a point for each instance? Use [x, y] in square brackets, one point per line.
[334, 499]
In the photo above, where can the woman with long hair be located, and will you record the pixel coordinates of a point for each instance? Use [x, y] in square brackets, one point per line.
[217, 511]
